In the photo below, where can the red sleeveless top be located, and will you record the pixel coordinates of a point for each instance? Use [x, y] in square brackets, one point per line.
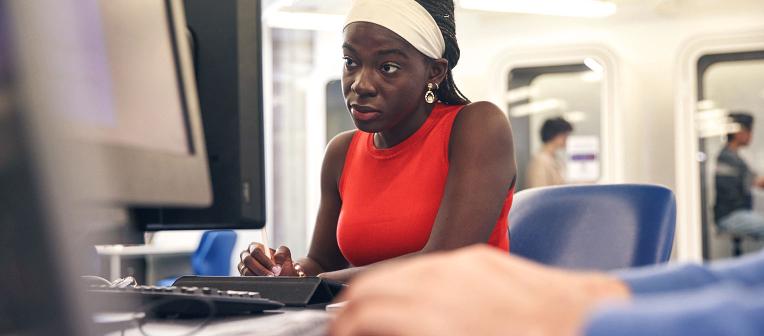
[390, 197]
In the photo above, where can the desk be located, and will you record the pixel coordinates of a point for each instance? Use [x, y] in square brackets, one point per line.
[286, 322]
[117, 252]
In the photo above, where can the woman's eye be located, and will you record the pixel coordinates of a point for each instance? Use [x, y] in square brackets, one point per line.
[390, 68]
[348, 62]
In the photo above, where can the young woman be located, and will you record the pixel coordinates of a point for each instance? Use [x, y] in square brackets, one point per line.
[426, 170]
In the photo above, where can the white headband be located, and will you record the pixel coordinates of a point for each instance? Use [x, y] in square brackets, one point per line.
[406, 18]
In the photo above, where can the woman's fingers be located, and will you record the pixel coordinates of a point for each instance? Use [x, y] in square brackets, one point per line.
[283, 259]
[255, 246]
[257, 262]
[282, 255]
[263, 259]
[252, 262]
[287, 268]
[243, 270]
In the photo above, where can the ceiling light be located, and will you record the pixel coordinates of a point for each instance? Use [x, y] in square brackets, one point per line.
[591, 77]
[577, 8]
[575, 116]
[305, 21]
[593, 65]
[545, 105]
[719, 130]
[521, 93]
[706, 104]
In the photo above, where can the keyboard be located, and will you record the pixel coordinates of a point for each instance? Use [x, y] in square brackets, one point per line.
[313, 292]
[179, 301]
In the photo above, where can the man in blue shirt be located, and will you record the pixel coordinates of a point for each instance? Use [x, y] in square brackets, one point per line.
[482, 291]
[734, 180]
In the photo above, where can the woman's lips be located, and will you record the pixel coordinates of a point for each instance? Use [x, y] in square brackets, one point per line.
[365, 115]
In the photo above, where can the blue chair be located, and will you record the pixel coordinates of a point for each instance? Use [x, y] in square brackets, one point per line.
[212, 256]
[598, 227]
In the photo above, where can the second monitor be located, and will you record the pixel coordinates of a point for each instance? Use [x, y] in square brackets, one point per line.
[226, 44]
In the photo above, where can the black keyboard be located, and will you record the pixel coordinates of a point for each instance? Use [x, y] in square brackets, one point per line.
[292, 291]
[181, 302]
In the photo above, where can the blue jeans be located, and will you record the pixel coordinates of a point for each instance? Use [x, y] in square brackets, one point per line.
[743, 222]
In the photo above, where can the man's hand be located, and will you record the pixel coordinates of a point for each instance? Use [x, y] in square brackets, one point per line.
[472, 291]
[759, 182]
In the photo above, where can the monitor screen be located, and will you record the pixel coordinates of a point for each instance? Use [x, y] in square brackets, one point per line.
[226, 37]
[135, 54]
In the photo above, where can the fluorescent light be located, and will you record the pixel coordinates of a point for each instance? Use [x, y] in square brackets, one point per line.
[714, 122]
[591, 77]
[538, 107]
[305, 21]
[577, 8]
[712, 115]
[719, 130]
[706, 104]
[575, 116]
[593, 65]
[521, 93]
[276, 6]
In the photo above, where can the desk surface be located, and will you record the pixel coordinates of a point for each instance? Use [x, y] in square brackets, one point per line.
[143, 250]
[286, 322]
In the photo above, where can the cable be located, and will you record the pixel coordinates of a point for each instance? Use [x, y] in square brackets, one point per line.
[119, 283]
[141, 318]
[96, 278]
[124, 283]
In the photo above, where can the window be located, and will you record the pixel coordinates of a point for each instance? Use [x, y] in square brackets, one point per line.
[573, 92]
[727, 83]
[292, 52]
[337, 118]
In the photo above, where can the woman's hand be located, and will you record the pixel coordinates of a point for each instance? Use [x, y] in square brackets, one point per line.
[255, 262]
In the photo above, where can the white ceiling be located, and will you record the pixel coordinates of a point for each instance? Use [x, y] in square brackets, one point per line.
[627, 7]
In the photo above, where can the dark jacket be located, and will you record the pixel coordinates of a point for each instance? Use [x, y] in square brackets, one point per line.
[733, 184]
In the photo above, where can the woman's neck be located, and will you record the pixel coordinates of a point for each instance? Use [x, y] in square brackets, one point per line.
[404, 129]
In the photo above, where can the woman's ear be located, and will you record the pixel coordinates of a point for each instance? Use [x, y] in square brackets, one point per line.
[438, 71]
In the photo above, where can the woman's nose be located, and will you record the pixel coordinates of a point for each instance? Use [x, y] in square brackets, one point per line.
[363, 84]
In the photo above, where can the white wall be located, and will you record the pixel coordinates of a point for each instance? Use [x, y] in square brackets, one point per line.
[646, 46]
[646, 50]
[643, 42]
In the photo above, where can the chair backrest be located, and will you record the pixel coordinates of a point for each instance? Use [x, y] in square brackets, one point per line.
[598, 227]
[213, 256]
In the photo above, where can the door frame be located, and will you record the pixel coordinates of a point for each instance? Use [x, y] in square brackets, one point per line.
[689, 220]
[612, 142]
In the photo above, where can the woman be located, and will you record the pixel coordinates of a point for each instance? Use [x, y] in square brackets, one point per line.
[426, 171]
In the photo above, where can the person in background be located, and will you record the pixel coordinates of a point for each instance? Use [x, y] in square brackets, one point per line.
[506, 295]
[427, 170]
[734, 180]
[545, 168]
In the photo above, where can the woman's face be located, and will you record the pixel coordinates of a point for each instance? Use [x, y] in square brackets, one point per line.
[384, 77]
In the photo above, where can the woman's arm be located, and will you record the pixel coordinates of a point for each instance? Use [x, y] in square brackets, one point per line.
[481, 172]
[324, 254]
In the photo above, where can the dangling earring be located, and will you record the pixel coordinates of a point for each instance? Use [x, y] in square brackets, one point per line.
[429, 96]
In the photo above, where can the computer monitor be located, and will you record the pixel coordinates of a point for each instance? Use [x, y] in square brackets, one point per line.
[148, 125]
[50, 179]
[110, 120]
[226, 39]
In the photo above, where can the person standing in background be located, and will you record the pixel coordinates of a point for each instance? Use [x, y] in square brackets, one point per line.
[734, 180]
[545, 169]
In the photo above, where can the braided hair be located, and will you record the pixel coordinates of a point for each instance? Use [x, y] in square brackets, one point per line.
[443, 13]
